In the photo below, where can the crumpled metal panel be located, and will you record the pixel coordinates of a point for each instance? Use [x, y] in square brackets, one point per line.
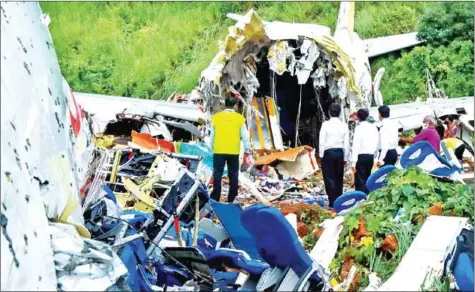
[278, 54]
[304, 66]
[82, 264]
[45, 142]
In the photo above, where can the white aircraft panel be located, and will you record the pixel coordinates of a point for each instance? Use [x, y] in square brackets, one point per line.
[388, 44]
[44, 144]
[105, 108]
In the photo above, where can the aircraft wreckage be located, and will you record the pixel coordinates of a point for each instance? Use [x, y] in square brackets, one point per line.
[111, 193]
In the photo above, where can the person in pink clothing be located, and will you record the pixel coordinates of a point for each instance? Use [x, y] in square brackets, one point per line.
[429, 134]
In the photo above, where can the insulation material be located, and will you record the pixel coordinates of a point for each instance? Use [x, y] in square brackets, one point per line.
[319, 78]
[45, 149]
[278, 54]
[302, 167]
[249, 30]
[304, 67]
[338, 88]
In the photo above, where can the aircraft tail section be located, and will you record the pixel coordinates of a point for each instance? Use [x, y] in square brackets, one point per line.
[346, 17]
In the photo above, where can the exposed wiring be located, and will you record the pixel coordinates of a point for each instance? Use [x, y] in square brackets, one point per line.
[297, 123]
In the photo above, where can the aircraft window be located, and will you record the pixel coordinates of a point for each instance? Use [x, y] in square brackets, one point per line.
[461, 111]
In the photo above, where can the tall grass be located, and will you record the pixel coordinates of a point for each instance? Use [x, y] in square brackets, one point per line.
[151, 49]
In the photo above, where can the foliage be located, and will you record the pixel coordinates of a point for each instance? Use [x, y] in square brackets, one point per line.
[446, 22]
[416, 193]
[451, 67]
[150, 50]
[448, 30]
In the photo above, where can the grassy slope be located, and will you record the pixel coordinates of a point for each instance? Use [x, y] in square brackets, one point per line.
[150, 50]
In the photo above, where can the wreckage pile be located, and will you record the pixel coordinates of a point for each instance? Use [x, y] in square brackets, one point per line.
[376, 236]
[148, 201]
[147, 197]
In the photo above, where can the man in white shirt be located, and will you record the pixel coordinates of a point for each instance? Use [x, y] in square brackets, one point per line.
[365, 145]
[388, 137]
[333, 150]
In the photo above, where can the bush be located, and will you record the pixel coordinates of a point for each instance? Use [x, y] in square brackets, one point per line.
[446, 22]
[150, 50]
[451, 67]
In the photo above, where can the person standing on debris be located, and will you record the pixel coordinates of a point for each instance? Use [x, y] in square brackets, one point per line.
[333, 150]
[429, 134]
[365, 145]
[228, 129]
[388, 138]
[451, 128]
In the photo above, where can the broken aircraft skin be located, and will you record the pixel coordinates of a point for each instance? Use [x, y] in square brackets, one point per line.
[46, 155]
[301, 67]
[46, 146]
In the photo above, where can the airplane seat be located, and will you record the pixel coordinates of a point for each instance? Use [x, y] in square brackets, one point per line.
[424, 155]
[224, 281]
[349, 201]
[275, 237]
[378, 179]
[459, 260]
[240, 237]
[234, 259]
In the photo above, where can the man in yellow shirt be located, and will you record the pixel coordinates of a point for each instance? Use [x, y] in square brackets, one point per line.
[228, 129]
[457, 146]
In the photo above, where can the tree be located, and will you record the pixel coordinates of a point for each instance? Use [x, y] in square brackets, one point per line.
[446, 22]
[450, 66]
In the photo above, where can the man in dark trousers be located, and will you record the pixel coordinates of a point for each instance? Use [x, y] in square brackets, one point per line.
[333, 150]
[365, 145]
[388, 138]
[228, 129]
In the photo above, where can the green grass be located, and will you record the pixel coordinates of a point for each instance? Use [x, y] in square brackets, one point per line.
[151, 49]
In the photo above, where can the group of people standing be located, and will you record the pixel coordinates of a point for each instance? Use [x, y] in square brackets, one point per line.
[369, 145]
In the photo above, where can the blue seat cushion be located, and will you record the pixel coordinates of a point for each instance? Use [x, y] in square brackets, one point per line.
[234, 259]
[228, 215]
[463, 272]
[133, 255]
[417, 154]
[227, 277]
[276, 240]
[378, 179]
[348, 200]
[171, 275]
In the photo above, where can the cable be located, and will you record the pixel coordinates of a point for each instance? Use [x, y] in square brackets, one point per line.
[297, 123]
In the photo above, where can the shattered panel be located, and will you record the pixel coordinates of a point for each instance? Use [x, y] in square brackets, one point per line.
[45, 144]
[278, 54]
